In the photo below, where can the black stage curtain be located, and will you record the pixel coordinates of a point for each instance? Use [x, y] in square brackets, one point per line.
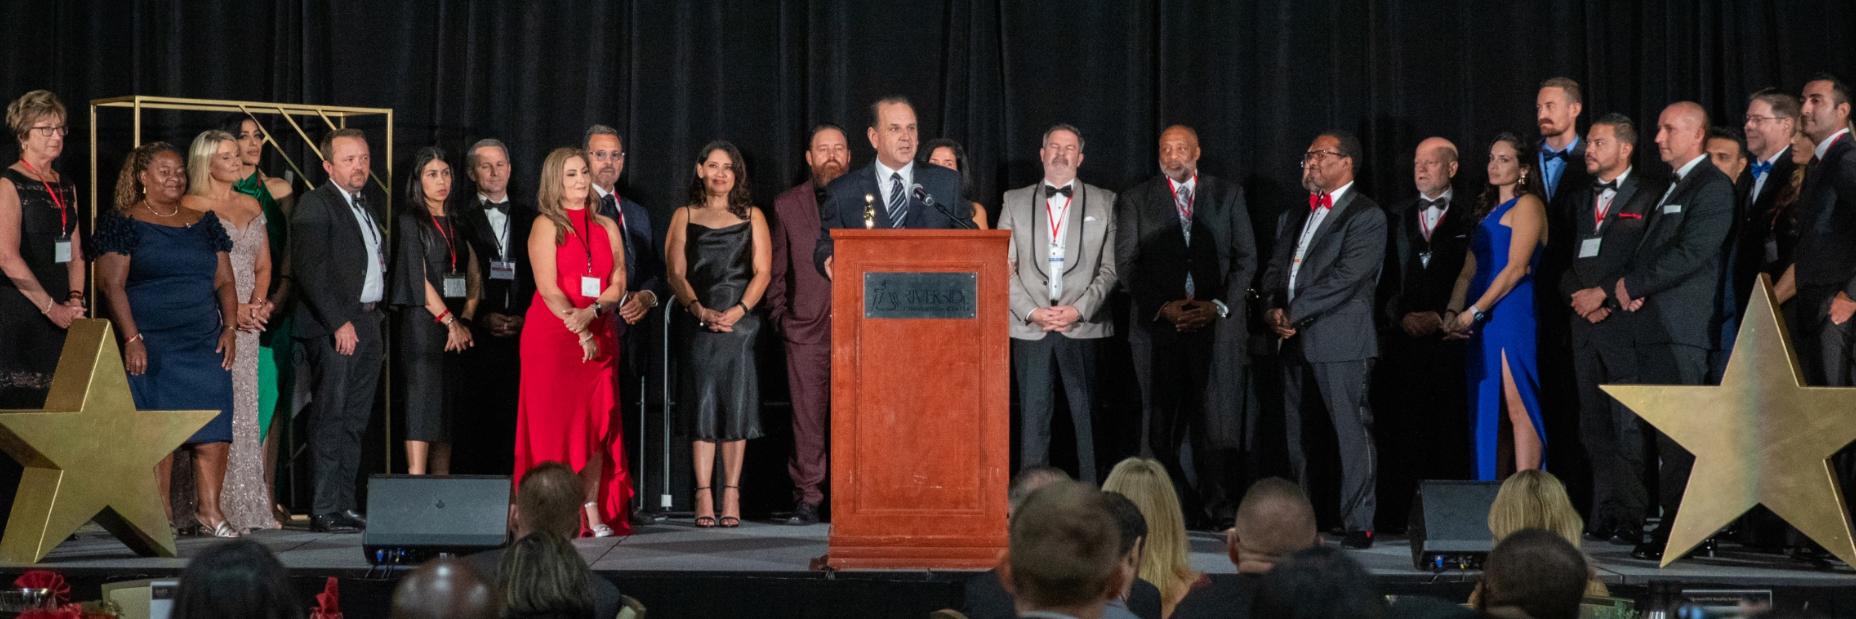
[1257, 78]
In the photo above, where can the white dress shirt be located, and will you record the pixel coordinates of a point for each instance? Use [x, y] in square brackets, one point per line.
[1825, 145]
[1604, 205]
[882, 180]
[374, 286]
[1433, 214]
[1309, 229]
[1681, 173]
[499, 224]
[1759, 180]
[1057, 209]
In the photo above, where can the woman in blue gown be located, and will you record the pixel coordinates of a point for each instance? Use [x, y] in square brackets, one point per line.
[1494, 305]
[166, 276]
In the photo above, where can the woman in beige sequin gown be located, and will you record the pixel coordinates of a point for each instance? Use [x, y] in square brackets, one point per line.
[245, 498]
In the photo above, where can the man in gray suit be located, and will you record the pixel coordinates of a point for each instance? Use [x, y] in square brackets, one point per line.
[1319, 288]
[1063, 270]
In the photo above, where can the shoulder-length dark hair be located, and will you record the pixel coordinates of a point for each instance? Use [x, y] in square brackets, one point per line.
[740, 198]
[960, 161]
[236, 578]
[1523, 156]
[129, 189]
[415, 188]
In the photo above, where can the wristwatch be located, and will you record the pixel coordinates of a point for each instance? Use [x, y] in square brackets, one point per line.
[1224, 311]
[598, 308]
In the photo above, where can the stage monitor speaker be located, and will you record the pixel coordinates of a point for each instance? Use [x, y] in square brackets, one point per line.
[1449, 525]
[411, 518]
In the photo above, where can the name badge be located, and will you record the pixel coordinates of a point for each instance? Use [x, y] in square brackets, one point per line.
[1589, 248]
[61, 250]
[1672, 209]
[590, 286]
[503, 270]
[454, 285]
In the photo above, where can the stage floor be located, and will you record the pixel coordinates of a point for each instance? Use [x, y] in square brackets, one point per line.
[769, 549]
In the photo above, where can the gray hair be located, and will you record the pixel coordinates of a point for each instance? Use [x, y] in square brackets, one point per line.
[470, 155]
[598, 129]
[1065, 127]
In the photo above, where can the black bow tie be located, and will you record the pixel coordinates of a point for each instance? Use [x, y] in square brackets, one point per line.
[1547, 155]
[1599, 188]
[1052, 191]
[1424, 204]
[500, 207]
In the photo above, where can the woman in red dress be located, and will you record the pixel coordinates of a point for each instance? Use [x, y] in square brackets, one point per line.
[569, 403]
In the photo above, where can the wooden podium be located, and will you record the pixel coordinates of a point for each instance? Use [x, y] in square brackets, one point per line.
[919, 386]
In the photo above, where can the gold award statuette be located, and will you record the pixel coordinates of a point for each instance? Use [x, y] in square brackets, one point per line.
[869, 211]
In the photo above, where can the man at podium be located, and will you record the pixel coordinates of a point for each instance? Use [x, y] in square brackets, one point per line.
[891, 192]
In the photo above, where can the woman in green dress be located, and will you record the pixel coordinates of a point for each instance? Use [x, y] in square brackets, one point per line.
[275, 379]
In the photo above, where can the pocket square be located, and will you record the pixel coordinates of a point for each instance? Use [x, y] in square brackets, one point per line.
[1630, 216]
[1089, 219]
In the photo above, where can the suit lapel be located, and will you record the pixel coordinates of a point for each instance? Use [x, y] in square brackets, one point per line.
[1040, 230]
[875, 194]
[1073, 242]
[1626, 190]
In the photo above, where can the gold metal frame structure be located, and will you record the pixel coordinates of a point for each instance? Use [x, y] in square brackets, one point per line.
[333, 116]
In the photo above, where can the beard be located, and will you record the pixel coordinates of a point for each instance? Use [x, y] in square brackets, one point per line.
[825, 174]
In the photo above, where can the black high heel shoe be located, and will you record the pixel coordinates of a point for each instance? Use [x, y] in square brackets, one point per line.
[730, 522]
[706, 522]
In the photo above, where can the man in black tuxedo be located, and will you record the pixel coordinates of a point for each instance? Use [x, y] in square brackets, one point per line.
[1825, 269]
[1673, 283]
[1185, 252]
[1607, 228]
[1419, 394]
[888, 185]
[339, 259]
[498, 238]
[644, 272]
[1560, 176]
[1771, 119]
[1319, 288]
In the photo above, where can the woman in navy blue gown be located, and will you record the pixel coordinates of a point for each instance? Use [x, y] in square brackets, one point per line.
[167, 277]
[1497, 284]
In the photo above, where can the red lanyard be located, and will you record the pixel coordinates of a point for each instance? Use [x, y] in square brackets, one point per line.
[64, 223]
[1599, 210]
[586, 244]
[1427, 230]
[1185, 210]
[450, 250]
[1057, 219]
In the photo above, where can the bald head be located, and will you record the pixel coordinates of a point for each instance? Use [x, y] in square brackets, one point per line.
[1274, 521]
[444, 589]
[1681, 133]
[1179, 152]
[1433, 166]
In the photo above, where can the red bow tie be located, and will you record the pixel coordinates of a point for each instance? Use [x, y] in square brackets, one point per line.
[1316, 201]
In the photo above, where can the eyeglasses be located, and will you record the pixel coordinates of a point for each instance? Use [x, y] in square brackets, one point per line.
[1752, 119]
[1313, 156]
[51, 130]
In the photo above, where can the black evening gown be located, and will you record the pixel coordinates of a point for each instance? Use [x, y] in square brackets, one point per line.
[432, 377]
[29, 342]
[716, 382]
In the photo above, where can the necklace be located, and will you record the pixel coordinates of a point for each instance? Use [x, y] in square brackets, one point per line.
[150, 206]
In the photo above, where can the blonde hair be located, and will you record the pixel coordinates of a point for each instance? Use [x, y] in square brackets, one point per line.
[200, 160]
[1535, 499]
[29, 108]
[1144, 481]
[553, 190]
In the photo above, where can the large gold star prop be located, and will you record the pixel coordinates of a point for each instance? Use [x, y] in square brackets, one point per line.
[1760, 438]
[89, 454]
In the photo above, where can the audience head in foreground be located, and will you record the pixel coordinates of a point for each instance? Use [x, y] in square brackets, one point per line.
[1535, 499]
[1029, 481]
[548, 500]
[1064, 554]
[1318, 583]
[237, 579]
[1274, 521]
[1533, 574]
[544, 578]
[444, 589]
[1144, 481]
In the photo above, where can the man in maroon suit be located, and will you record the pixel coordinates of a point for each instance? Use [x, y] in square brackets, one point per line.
[801, 300]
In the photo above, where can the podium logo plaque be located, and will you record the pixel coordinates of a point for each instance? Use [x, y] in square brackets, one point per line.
[921, 295]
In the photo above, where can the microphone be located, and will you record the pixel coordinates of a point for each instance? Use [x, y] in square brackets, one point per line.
[922, 194]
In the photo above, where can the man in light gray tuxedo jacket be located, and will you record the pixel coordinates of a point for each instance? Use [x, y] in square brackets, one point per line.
[1063, 233]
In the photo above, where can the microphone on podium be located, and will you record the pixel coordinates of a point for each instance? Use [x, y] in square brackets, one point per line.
[922, 194]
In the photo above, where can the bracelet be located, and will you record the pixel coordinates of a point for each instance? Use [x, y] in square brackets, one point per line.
[440, 318]
[744, 308]
[132, 339]
[76, 294]
[47, 310]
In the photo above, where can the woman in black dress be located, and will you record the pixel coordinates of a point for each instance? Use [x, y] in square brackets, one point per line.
[41, 253]
[719, 258]
[435, 285]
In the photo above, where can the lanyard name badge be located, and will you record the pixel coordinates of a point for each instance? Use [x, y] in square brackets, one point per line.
[61, 246]
[502, 268]
[590, 286]
[1424, 257]
[1058, 225]
[453, 280]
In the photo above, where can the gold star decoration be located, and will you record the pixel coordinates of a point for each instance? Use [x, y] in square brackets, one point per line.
[89, 454]
[1760, 438]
